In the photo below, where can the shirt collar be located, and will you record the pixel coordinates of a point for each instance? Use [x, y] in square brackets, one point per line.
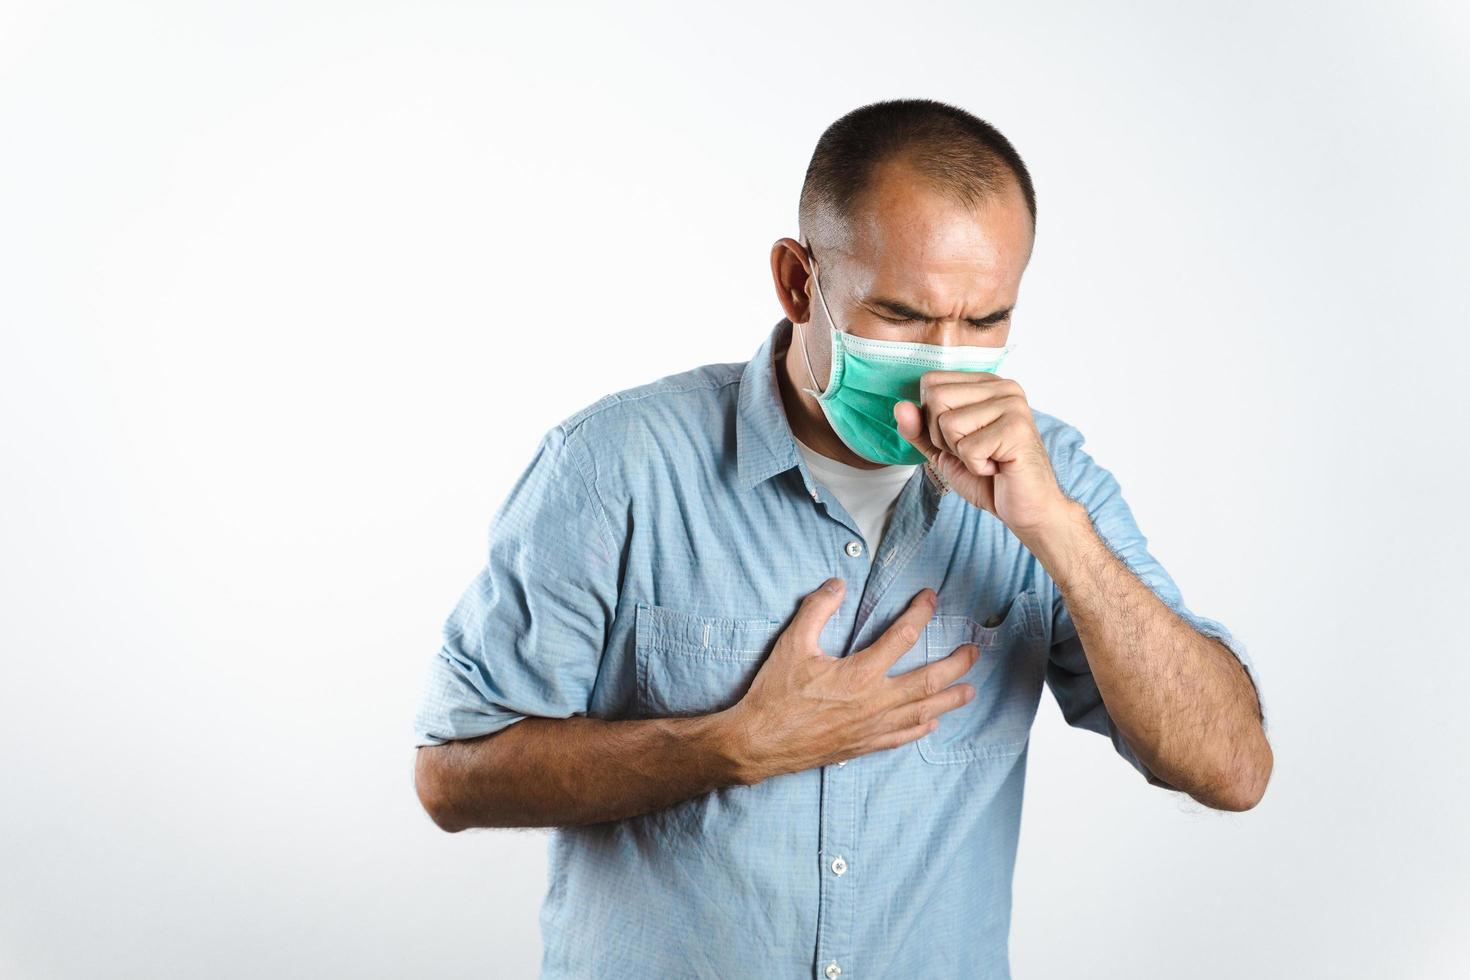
[764, 444]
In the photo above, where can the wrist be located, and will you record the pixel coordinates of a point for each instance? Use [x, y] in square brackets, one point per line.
[728, 744]
[1062, 538]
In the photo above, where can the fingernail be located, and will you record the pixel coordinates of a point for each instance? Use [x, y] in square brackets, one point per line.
[832, 584]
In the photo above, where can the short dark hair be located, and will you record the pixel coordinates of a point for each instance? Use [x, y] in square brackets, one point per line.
[963, 156]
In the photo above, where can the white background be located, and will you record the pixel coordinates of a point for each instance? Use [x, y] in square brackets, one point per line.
[290, 291]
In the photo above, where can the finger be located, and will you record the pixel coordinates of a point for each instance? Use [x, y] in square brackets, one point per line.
[999, 442]
[929, 709]
[963, 386]
[926, 681]
[900, 636]
[976, 450]
[939, 376]
[955, 423]
[892, 740]
[940, 397]
[911, 427]
[812, 615]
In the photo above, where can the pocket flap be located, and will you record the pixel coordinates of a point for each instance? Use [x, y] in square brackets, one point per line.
[662, 628]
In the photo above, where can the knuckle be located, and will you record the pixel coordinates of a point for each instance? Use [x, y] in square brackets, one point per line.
[859, 675]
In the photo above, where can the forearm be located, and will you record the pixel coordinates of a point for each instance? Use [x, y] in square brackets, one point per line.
[545, 772]
[1182, 700]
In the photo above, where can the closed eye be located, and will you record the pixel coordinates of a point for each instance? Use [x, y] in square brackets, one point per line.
[982, 324]
[896, 312]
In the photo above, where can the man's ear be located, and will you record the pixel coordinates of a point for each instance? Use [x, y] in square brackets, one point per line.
[791, 273]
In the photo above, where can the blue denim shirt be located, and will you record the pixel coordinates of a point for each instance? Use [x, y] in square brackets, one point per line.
[644, 564]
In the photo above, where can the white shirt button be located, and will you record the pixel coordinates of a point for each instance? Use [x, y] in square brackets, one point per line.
[843, 762]
[833, 970]
[854, 549]
[838, 865]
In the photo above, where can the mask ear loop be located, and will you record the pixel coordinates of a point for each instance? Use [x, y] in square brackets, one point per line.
[805, 358]
[813, 389]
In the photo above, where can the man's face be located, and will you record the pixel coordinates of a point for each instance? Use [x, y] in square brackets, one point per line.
[913, 265]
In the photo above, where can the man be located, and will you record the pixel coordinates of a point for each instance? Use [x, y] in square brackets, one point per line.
[775, 693]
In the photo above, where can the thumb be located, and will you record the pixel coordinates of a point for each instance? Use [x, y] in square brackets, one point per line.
[911, 427]
[815, 610]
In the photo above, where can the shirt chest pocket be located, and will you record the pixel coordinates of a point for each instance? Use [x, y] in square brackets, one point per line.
[1007, 678]
[688, 664]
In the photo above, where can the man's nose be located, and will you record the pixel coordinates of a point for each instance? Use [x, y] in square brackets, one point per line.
[945, 333]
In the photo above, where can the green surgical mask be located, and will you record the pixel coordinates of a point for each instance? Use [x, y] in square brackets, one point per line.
[868, 377]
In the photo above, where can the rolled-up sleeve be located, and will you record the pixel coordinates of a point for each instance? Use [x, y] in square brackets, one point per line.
[527, 635]
[1067, 673]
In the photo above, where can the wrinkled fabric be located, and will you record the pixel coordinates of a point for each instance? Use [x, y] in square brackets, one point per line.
[644, 564]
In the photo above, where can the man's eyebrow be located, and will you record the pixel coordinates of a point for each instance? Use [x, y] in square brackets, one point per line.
[905, 312]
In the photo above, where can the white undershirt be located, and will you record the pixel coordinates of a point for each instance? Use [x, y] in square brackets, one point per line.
[868, 495]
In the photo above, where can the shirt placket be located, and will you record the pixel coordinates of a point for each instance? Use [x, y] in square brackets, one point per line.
[868, 579]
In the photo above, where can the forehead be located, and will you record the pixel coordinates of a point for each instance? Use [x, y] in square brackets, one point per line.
[905, 230]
